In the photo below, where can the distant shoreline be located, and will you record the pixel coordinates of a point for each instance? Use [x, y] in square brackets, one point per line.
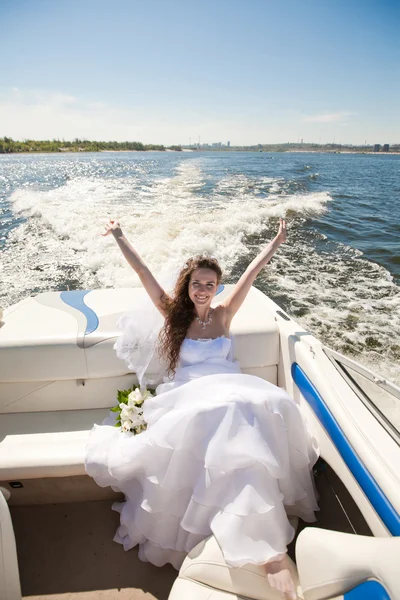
[339, 152]
[186, 150]
[57, 146]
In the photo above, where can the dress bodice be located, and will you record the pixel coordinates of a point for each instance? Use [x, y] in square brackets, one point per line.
[199, 358]
[204, 349]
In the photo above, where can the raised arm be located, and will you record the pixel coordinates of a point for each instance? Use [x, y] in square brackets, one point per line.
[150, 284]
[236, 298]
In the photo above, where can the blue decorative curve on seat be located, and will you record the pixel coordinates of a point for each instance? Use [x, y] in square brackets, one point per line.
[379, 501]
[369, 590]
[75, 298]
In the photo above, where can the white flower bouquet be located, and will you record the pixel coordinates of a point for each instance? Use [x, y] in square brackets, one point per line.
[129, 410]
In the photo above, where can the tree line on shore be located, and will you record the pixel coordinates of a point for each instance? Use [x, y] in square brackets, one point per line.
[8, 145]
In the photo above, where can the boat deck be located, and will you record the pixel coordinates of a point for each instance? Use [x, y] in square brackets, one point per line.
[66, 552]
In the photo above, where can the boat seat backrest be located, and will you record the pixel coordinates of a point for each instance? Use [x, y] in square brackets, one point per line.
[331, 563]
[52, 364]
[255, 344]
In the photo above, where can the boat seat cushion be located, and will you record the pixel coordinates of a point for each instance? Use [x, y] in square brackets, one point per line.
[331, 563]
[204, 575]
[50, 444]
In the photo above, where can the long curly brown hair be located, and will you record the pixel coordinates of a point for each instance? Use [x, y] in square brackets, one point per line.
[180, 310]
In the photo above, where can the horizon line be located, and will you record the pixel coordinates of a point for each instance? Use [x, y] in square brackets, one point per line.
[215, 145]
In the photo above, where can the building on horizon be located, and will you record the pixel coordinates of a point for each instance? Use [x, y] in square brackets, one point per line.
[228, 144]
[385, 148]
[377, 148]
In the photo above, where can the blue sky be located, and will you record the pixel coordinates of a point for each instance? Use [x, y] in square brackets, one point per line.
[164, 71]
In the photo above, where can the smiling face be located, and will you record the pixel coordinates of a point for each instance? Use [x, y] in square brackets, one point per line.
[203, 285]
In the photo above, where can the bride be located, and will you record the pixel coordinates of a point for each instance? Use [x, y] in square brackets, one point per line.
[224, 453]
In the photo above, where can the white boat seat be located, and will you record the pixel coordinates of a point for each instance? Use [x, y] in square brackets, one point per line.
[48, 444]
[204, 575]
[65, 335]
[47, 337]
[329, 564]
[53, 343]
[59, 372]
[10, 588]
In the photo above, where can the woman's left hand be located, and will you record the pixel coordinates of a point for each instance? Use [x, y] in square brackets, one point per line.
[281, 235]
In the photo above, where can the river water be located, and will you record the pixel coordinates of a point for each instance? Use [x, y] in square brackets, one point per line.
[338, 275]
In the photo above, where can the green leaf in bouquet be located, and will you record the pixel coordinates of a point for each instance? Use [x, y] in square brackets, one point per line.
[115, 408]
[122, 397]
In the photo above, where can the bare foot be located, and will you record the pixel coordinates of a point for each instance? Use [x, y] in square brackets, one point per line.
[280, 577]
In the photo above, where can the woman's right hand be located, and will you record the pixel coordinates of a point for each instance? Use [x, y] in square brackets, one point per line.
[112, 227]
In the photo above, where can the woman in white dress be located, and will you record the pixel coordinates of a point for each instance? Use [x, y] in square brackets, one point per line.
[225, 453]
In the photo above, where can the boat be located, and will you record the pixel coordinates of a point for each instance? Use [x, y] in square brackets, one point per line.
[59, 375]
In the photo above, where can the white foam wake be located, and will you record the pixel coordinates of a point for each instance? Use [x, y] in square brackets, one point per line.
[167, 221]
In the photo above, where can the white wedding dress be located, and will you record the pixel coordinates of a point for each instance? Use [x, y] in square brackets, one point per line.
[225, 453]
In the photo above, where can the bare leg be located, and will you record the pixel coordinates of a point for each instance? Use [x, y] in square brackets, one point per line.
[280, 577]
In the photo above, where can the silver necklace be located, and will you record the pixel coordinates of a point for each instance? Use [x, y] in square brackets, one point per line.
[205, 323]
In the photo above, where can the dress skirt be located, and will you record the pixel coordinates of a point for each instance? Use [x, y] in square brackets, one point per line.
[224, 454]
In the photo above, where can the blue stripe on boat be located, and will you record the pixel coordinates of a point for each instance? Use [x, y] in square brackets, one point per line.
[369, 590]
[381, 504]
[75, 298]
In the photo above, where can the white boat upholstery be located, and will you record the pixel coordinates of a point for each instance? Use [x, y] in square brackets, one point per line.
[48, 444]
[331, 563]
[46, 344]
[10, 588]
[56, 381]
[204, 575]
